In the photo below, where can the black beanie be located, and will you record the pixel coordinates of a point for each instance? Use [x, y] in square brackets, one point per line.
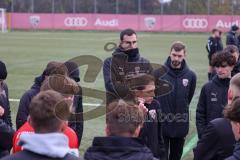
[234, 28]
[3, 71]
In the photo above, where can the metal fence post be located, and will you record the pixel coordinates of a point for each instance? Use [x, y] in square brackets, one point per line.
[32, 7]
[12, 6]
[95, 6]
[74, 6]
[117, 7]
[53, 6]
[208, 7]
[139, 6]
[185, 7]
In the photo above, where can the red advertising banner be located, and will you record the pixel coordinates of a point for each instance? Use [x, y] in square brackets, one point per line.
[164, 23]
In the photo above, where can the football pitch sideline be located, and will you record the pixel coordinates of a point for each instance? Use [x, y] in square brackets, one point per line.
[27, 53]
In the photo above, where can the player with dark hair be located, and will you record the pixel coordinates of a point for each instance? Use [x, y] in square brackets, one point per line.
[213, 96]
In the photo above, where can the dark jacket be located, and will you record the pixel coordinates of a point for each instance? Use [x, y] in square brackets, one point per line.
[27, 155]
[213, 45]
[236, 68]
[6, 136]
[124, 148]
[231, 39]
[212, 100]
[23, 108]
[151, 133]
[176, 103]
[4, 102]
[236, 153]
[217, 141]
[118, 68]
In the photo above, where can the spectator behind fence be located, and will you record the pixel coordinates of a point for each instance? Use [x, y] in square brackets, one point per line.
[48, 114]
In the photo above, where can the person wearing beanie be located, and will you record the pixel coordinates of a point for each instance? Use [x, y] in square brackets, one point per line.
[232, 38]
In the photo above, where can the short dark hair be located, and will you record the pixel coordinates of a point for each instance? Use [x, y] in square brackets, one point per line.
[178, 46]
[48, 110]
[232, 111]
[123, 117]
[139, 81]
[231, 49]
[216, 30]
[222, 57]
[54, 67]
[128, 32]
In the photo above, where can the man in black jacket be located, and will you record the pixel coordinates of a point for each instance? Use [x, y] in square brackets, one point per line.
[175, 106]
[125, 62]
[231, 38]
[6, 136]
[142, 89]
[52, 68]
[123, 124]
[214, 45]
[5, 112]
[217, 140]
[48, 142]
[213, 96]
[235, 52]
[232, 113]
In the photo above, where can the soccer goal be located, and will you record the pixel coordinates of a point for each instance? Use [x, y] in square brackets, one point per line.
[3, 20]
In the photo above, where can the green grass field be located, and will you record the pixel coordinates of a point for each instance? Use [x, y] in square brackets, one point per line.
[27, 53]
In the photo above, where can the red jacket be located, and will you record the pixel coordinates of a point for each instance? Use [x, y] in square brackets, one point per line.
[72, 137]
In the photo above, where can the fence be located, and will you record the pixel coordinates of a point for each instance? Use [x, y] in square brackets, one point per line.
[158, 7]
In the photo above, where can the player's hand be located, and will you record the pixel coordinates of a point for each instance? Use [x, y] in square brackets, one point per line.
[142, 105]
[1, 111]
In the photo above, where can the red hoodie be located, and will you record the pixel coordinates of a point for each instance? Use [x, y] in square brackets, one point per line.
[72, 137]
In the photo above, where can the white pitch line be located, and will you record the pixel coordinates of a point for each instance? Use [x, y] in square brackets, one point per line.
[85, 104]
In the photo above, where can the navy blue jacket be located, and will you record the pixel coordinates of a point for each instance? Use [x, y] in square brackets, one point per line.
[6, 136]
[4, 102]
[175, 105]
[217, 141]
[236, 68]
[23, 108]
[236, 153]
[214, 45]
[117, 68]
[27, 155]
[231, 39]
[212, 100]
[112, 148]
[151, 133]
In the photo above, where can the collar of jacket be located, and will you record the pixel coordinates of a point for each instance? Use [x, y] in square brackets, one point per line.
[181, 71]
[236, 152]
[133, 57]
[221, 82]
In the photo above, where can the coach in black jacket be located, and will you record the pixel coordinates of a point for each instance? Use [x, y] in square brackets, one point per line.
[125, 62]
[175, 106]
[23, 109]
[213, 97]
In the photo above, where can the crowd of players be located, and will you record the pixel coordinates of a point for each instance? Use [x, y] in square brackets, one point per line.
[147, 107]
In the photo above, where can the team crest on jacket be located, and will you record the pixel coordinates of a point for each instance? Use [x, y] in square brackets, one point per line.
[185, 82]
[153, 113]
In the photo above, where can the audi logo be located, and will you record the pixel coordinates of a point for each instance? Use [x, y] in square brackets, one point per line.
[195, 23]
[75, 21]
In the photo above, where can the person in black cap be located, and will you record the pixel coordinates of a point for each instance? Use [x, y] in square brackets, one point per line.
[231, 38]
[5, 113]
[214, 45]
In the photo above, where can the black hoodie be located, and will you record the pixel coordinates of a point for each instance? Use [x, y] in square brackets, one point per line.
[212, 100]
[112, 148]
[175, 105]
